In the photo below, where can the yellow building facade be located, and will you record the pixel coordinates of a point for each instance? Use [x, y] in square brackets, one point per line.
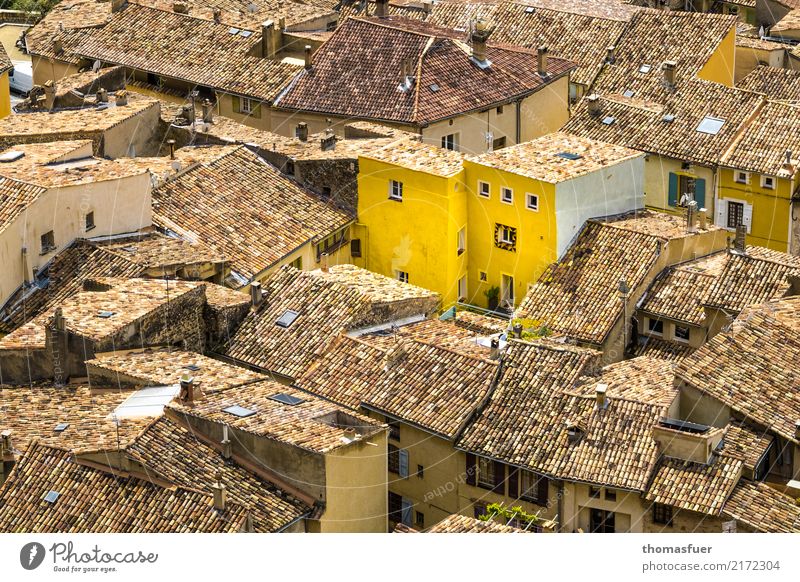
[5, 96]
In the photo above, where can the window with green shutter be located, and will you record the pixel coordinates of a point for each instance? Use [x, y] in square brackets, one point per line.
[672, 199]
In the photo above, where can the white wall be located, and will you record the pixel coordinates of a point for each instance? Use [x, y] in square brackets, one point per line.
[611, 190]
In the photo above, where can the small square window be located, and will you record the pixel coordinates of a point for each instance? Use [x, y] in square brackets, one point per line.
[483, 276]
[395, 190]
[450, 142]
[500, 110]
[507, 195]
[89, 221]
[401, 276]
[420, 471]
[483, 189]
[655, 326]
[594, 492]
[48, 242]
[532, 202]
[394, 429]
[611, 495]
[245, 105]
[768, 182]
[419, 519]
[682, 333]
[740, 177]
[662, 514]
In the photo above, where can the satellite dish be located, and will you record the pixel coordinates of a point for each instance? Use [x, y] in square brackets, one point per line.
[96, 66]
[252, 8]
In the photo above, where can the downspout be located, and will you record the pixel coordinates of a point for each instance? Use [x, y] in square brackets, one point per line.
[560, 516]
[518, 137]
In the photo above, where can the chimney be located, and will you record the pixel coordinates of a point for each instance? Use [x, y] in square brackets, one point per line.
[788, 167]
[190, 391]
[58, 46]
[49, 94]
[217, 15]
[171, 144]
[691, 217]
[702, 216]
[427, 6]
[121, 98]
[58, 320]
[669, 68]
[6, 450]
[255, 294]
[517, 330]
[208, 111]
[227, 451]
[302, 131]
[268, 48]
[102, 95]
[600, 396]
[479, 37]
[307, 51]
[117, 5]
[494, 352]
[593, 104]
[381, 8]
[180, 7]
[220, 493]
[610, 56]
[328, 140]
[739, 243]
[541, 61]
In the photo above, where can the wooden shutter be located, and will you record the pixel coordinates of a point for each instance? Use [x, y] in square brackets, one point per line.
[513, 482]
[722, 213]
[700, 193]
[747, 217]
[499, 478]
[471, 470]
[542, 490]
[403, 462]
[672, 198]
[235, 104]
[256, 112]
[406, 512]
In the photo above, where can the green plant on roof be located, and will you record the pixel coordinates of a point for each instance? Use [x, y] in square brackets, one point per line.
[501, 514]
[532, 329]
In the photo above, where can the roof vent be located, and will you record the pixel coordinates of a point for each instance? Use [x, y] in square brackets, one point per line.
[287, 319]
[530, 10]
[191, 367]
[11, 156]
[239, 411]
[668, 118]
[284, 398]
[52, 497]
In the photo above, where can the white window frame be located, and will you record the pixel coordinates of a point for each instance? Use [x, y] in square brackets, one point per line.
[462, 288]
[503, 239]
[722, 213]
[401, 276]
[488, 194]
[245, 105]
[764, 182]
[461, 243]
[738, 174]
[452, 138]
[395, 190]
[535, 206]
[503, 191]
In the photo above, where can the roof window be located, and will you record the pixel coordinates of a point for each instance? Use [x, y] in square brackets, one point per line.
[287, 319]
[52, 497]
[645, 68]
[710, 125]
[239, 411]
[609, 120]
[569, 156]
[284, 398]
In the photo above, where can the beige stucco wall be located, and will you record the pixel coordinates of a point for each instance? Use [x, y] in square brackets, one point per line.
[45, 70]
[656, 183]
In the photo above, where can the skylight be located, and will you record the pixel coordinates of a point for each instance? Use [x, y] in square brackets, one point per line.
[245, 33]
[105, 314]
[530, 10]
[192, 367]
[239, 411]
[609, 120]
[629, 93]
[710, 125]
[147, 402]
[11, 156]
[61, 427]
[645, 68]
[52, 496]
[668, 118]
[434, 87]
[287, 399]
[233, 30]
[287, 318]
[569, 156]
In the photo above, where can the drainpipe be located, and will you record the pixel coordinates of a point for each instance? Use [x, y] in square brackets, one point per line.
[519, 121]
[560, 520]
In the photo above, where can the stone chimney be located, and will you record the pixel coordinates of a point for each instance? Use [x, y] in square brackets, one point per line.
[102, 95]
[227, 451]
[269, 39]
[6, 450]
[788, 168]
[302, 131]
[117, 5]
[328, 141]
[479, 37]
[517, 330]
[610, 55]
[739, 241]
[58, 46]
[494, 349]
[121, 98]
[180, 7]
[541, 61]
[220, 492]
[600, 396]
[593, 104]
[190, 390]
[427, 6]
[217, 15]
[49, 94]
[171, 144]
[208, 111]
[691, 217]
[307, 56]
[256, 296]
[669, 68]
[58, 320]
[381, 8]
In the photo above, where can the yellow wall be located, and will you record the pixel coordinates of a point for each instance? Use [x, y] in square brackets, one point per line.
[771, 208]
[417, 235]
[536, 231]
[720, 67]
[5, 96]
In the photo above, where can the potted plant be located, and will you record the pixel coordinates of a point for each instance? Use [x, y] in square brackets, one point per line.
[493, 297]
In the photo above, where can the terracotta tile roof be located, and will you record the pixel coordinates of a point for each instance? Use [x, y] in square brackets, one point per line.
[443, 334]
[655, 36]
[568, 34]
[272, 215]
[68, 21]
[749, 41]
[762, 508]
[372, 53]
[313, 424]
[153, 250]
[747, 280]
[173, 452]
[5, 61]
[791, 21]
[543, 159]
[643, 379]
[323, 307]
[667, 124]
[774, 82]
[378, 289]
[763, 144]
[15, 197]
[745, 443]
[251, 13]
[95, 501]
[703, 488]
[463, 524]
[482, 324]
[663, 350]
[431, 387]
[750, 368]
[164, 366]
[33, 412]
[423, 157]
[679, 292]
[578, 296]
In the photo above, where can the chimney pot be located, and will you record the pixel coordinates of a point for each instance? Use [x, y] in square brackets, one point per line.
[171, 144]
[58, 320]
[479, 37]
[739, 241]
[610, 56]
[702, 215]
[220, 492]
[217, 15]
[208, 111]
[517, 330]
[691, 217]
[541, 61]
[255, 294]
[600, 396]
[328, 140]
[227, 451]
[6, 450]
[102, 95]
[190, 391]
[593, 104]
[381, 8]
[307, 51]
[121, 98]
[494, 353]
[302, 131]
[58, 46]
[669, 68]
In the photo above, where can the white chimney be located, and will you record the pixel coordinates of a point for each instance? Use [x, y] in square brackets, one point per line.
[593, 104]
[600, 396]
[255, 293]
[702, 215]
[227, 451]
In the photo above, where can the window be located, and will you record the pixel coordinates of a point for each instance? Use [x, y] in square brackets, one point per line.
[735, 214]
[655, 326]
[498, 143]
[483, 189]
[611, 495]
[462, 240]
[355, 247]
[682, 333]
[462, 288]
[507, 235]
[420, 471]
[532, 202]
[483, 276]
[245, 105]
[740, 177]
[478, 510]
[507, 291]
[533, 487]
[287, 319]
[450, 142]
[326, 192]
[688, 188]
[395, 190]
[289, 168]
[297, 263]
[768, 182]
[662, 514]
[401, 276]
[684, 189]
[507, 195]
[394, 429]
[601, 521]
[419, 519]
[331, 243]
[710, 125]
[486, 473]
[594, 492]
[48, 242]
[395, 507]
[500, 110]
[89, 221]
[394, 459]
